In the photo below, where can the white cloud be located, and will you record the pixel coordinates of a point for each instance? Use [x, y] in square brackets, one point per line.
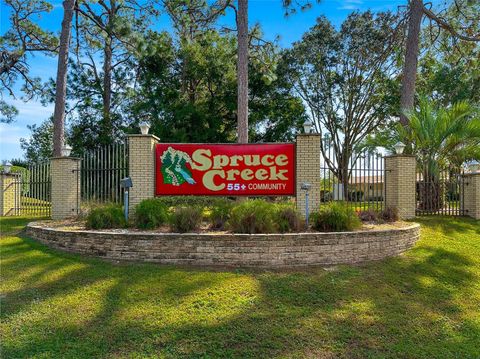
[350, 4]
[31, 111]
[11, 134]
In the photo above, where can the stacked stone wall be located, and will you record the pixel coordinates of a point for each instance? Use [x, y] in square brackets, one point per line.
[233, 250]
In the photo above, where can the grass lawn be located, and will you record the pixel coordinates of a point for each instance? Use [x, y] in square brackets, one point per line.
[424, 304]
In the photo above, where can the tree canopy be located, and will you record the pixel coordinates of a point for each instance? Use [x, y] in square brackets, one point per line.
[347, 78]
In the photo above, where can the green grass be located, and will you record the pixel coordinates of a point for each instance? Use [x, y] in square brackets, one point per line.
[424, 304]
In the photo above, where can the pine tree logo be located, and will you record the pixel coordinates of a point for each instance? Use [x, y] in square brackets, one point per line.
[174, 167]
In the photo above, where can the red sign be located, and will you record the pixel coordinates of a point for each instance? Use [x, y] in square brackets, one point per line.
[225, 169]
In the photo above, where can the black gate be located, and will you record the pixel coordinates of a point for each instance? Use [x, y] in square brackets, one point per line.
[29, 191]
[439, 191]
[362, 182]
[100, 174]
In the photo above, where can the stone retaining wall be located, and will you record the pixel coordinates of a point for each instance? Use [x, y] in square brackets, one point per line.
[233, 250]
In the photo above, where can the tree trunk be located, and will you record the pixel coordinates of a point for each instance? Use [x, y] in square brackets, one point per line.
[242, 72]
[61, 83]
[107, 92]
[411, 60]
[430, 193]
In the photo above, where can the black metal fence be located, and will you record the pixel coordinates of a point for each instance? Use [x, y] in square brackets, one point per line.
[29, 192]
[100, 174]
[358, 178]
[439, 191]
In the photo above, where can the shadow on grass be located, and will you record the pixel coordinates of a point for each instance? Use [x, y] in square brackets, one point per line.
[401, 307]
[13, 225]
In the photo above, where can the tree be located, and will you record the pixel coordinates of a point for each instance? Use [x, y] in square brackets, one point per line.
[277, 113]
[187, 88]
[61, 82]
[449, 68]
[417, 11]
[39, 146]
[411, 59]
[196, 15]
[107, 35]
[242, 71]
[347, 80]
[441, 139]
[23, 38]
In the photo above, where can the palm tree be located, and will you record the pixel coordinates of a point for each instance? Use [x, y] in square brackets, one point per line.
[441, 139]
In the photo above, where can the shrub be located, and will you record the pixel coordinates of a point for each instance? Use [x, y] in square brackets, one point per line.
[287, 219]
[151, 213]
[368, 215]
[253, 216]
[335, 216]
[389, 214]
[220, 213]
[106, 216]
[186, 219]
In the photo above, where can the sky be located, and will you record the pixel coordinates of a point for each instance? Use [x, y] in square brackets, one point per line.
[268, 13]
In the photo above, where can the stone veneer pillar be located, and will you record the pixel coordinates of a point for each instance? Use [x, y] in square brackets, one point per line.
[471, 195]
[65, 172]
[308, 170]
[141, 159]
[400, 184]
[10, 186]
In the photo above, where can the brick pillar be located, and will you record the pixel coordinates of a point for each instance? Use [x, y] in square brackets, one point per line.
[65, 172]
[471, 195]
[141, 159]
[400, 184]
[10, 186]
[308, 170]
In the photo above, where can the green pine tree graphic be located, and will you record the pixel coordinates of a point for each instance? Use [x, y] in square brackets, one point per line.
[174, 167]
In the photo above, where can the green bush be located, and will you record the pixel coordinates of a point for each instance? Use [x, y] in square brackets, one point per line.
[186, 219]
[335, 217]
[151, 213]
[253, 216]
[106, 216]
[220, 213]
[287, 219]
